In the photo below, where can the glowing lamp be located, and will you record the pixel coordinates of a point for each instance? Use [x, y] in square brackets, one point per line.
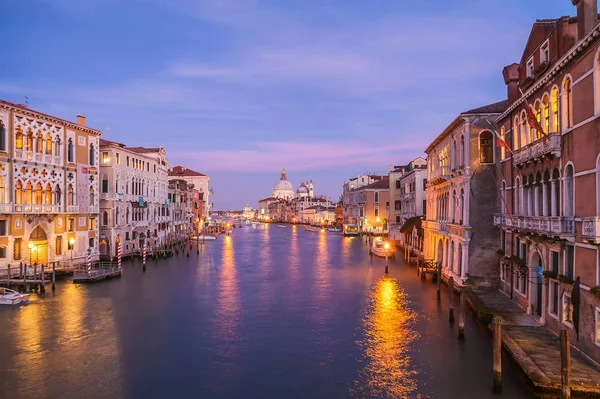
[386, 245]
[30, 245]
[72, 241]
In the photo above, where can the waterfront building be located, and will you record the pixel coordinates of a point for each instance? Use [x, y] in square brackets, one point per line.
[461, 195]
[200, 182]
[369, 204]
[353, 204]
[179, 210]
[248, 212]
[263, 207]
[319, 215]
[395, 221]
[133, 198]
[48, 187]
[299, 204]
[549, 218]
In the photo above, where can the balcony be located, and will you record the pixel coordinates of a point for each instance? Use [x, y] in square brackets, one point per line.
[460, 230]
[93, 209]
[537, 150]
[36, 208]
[72, 208]
[439, 175]
[591, 229]
[5, 208]
[544, 225]
[441, 227]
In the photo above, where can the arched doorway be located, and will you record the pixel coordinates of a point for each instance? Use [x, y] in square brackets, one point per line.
[440, 257]
[38, 247]
[104, 246]
[537, 280]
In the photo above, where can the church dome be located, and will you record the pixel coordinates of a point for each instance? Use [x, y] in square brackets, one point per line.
[284, 188]
[302, 189]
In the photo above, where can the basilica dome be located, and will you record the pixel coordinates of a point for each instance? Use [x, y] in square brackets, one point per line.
[302, 190]
[284, 188]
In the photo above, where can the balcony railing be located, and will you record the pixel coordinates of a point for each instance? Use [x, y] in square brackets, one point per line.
[72, 208]
[93, 209]
[591, 229]
[459, 230]
[439, 175]
[37, 208]
[546, 225]
[538, 149]
[440, 226]
[5, 208]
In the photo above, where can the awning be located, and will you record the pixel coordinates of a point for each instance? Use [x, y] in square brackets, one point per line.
[414, 222]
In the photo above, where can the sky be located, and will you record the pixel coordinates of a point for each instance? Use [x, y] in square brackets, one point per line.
[239, 89]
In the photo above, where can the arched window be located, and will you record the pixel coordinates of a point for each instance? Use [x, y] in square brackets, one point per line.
[538, 115]
[48, 144]
[19, 138]
[462, 206]
[556, 188]
[70, 195]
[548, 194]
[2, 191]
[539, 193]
[29, 141]
[127, 216]
[546, 113]
[117, 217]
[48, 194]
[39, 144]
[376, 210]
[92, 199]
[555, 108]
[19, 192]
[567, 104]
[503, 199]
[454, 153]
[462, 150]
[57, 144]
[2, 137]
[486, 147]
[105, 184]
[376, 197]
[92, 154]
[70, 156]
[523, 130]
[460, 260]
[525, 202]
[530, 195]
[38, 193]
[57, 195]
[29, 193]
[517, 194]
[569, 192]
[105, 218]
[516, 135]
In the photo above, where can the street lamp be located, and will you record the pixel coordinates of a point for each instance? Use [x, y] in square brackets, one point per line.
[71, 244]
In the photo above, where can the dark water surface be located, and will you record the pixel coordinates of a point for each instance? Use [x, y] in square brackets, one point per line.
[272, 312]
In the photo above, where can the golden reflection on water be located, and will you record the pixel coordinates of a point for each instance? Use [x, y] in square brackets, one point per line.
[228, 307]
[294, 256]
[388, 335]
[322, 282]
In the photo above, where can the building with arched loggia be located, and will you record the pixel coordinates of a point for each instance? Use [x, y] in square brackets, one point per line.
[549, 216]
[461, 196]
[48, 187]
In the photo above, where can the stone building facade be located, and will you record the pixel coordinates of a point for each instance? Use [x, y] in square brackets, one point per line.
[48, 187]
[133, 198]
[549, 218]
[462, 196]
[200, 182]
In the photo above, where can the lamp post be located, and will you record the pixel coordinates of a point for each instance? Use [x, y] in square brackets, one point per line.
[387, 247]
[71, 244]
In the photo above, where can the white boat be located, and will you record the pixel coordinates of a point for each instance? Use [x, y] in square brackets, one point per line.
[10, 297]
[280, 225]
[312, 229]
[204, 237]
[379, 248]
[334, 229]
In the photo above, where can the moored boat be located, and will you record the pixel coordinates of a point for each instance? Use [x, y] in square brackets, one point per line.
[204, 237]
[334, 229]
[312, 229]
[10, 297]
[350, 230]
[382, 248]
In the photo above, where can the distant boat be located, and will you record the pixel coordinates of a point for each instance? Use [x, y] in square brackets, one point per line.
[280, 225]
[379, 248]
[312, 229]
[334, 229]
[350, 230]
[10, 297]
[204, 237]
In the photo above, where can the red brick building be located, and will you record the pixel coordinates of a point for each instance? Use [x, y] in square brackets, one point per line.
[550, 212]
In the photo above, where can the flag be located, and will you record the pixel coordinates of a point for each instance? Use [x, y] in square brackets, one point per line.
[212, 191]
[499, 139]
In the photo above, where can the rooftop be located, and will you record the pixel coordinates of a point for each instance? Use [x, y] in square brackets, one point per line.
[495, 108]
[183, 171]
[383, 183]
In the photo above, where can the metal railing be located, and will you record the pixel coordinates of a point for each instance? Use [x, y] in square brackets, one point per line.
[557, 225]
[539, 148]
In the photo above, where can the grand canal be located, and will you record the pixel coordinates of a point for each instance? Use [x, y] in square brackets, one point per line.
[271, 312]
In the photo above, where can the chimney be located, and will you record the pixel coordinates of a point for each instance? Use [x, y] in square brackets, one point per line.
[511, 80]
[81, 120]
[587, 16]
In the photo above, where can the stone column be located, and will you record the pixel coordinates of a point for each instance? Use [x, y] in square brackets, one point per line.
[467, 204]
[465, 260]
[536, 211]
[544, 199]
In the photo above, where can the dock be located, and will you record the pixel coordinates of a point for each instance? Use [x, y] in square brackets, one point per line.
[99, 271]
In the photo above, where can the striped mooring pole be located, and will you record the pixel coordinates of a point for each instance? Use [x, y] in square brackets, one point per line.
[89, 262]
[119, 256]
[144, 255]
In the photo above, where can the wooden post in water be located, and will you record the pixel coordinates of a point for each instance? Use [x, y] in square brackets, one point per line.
[497, 354]
[438, 281]
[461, 314]
[43, 286]
[8, 275]
[24, 277]
[34, 276]
[21, 269]
[53, 276]
[450, 293]
[565, 365]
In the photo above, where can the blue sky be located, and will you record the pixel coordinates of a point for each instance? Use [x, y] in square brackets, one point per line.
[239, 89]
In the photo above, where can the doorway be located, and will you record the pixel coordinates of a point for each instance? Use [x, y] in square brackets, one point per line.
[38, 247]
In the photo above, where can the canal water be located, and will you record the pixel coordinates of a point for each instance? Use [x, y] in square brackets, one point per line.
[271, 312]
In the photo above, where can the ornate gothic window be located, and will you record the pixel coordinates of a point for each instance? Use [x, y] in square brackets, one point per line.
[546, 107]
[29, 141]
[2, 191]
[486, 147]
[555, 108]
[2, 137]
[48, 144]
[39, 144]
[48, 194]
[19, 138]
[92, 154]
[70, 151]
[19, 192]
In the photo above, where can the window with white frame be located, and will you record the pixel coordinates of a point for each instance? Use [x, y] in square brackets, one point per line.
[545, 52]
[529, 68]
[567, 310]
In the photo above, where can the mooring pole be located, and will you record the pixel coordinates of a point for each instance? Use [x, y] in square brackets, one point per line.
[565, 365]
[497, 354]
[461, 314]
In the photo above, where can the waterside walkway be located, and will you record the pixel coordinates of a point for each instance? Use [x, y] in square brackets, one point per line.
[534, 347]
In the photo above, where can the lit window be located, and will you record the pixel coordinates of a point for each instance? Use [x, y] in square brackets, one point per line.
[545, 52]
[105, 157]
[530, 68]
[567, 104]
[486, 147]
